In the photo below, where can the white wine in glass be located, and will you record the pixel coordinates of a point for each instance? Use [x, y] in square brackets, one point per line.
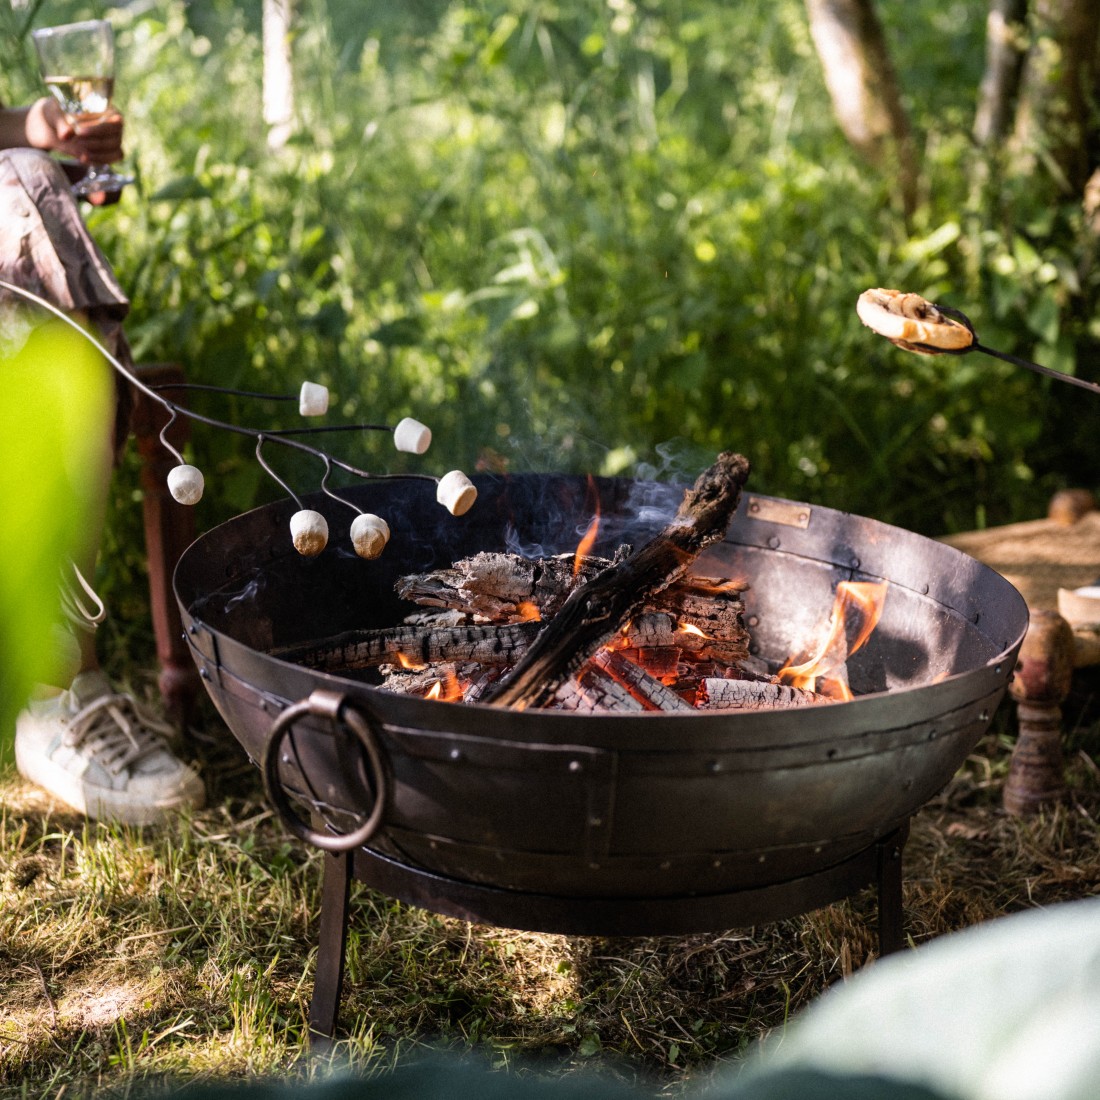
[77, 61]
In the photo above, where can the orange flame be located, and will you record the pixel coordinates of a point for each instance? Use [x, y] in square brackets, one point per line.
[712, 586]
[528, 612]
[856, 612]
[408, 663]
[690, 628]
[447, 690]
[584, 547]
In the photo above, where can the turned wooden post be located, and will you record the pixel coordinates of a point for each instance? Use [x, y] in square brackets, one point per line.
[169, 530]
[1040, 685]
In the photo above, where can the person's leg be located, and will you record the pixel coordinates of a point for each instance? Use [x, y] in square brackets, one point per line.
[96, 748]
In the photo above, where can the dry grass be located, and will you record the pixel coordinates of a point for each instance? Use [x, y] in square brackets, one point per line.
[132, 957]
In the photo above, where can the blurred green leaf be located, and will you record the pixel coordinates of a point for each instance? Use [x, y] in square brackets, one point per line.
[181, 189]
[54, 429]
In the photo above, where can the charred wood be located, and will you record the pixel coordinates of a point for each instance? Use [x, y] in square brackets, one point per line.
[503, 587]
[653, 694]
[718, 694]
[596, 692]
[484, 644]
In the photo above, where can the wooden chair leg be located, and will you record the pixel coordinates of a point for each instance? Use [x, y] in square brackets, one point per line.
[169, 530]
[1040, 686]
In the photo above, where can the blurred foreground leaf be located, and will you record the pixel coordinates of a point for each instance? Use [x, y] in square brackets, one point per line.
[53, 424]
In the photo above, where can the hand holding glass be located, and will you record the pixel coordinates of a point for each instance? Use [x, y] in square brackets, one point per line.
[78, 66]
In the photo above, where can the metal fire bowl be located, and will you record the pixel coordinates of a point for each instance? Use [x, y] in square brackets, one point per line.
[604, 812]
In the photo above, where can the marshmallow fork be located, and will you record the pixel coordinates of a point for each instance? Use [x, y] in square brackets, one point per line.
[186, 484]
[369, 535]
[309, 532]
[456, 492]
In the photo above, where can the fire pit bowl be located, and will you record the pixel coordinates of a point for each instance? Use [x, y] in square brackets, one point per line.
[616, 824]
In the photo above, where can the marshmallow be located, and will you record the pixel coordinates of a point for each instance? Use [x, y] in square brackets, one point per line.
[456, 493]
[186, 484]
[412, 436]
[313, 399]
[309, 530]
[369, 535]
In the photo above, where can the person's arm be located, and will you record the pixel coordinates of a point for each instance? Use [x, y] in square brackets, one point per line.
[43, 125]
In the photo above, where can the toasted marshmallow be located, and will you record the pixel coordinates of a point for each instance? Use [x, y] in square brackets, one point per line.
[912, 322]
[313, 399]
[309, 530]
[456, 492]
[412, 436]
[186, 484]
[369, 535]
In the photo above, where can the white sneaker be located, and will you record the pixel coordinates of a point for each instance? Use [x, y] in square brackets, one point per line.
[104, 754]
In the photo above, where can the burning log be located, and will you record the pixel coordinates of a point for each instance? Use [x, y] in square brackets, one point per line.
[501, 644]
[651, 692]
[502, 587]
[723, 694]
[659, 630]
[594, 612]
[596, 692]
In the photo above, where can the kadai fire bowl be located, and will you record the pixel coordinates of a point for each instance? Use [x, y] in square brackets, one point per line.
[619, 824]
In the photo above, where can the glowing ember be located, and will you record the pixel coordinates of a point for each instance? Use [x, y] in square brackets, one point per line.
[856, 612]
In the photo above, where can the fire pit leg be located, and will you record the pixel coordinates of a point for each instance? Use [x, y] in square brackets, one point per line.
[891, 910]
[333, 934]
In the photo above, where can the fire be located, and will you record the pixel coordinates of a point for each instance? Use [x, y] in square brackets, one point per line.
[690, 628]
[447, 690]
[715, 587]
[528, 612]
[408, 663]
[588, 540]
[584, 547]
[856, 612]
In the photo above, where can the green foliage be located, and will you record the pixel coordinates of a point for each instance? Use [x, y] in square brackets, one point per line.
[594, 236]
[58, 391]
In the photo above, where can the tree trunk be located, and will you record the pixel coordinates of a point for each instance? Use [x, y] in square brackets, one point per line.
[863, 86]
[278, 90]
[1055, 122]
[1005, 49]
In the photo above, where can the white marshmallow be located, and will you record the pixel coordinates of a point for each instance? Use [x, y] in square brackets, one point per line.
[369, 535]
[456, 492]
[309, 530]
[313, 399]
[412, 436]
[186, 484]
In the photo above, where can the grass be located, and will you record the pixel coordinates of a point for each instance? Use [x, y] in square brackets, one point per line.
[136, 958]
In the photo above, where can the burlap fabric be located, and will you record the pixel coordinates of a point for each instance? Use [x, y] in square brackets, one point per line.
[46, 248]
[1040, 556]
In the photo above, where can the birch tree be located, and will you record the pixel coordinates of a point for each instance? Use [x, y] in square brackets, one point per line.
[863, 87]
[278, 79]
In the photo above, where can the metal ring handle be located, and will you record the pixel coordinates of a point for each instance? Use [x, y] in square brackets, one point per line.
[335, 707]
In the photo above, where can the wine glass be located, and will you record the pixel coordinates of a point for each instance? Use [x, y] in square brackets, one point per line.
[77, 61]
